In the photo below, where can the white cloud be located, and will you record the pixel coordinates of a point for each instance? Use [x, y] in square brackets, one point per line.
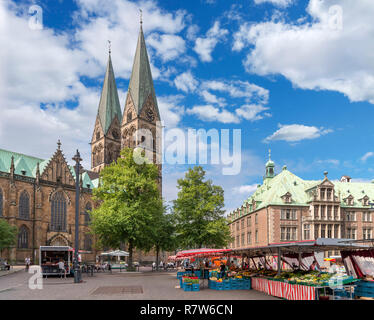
[246, 189]
[211, 98]
[367, 155]
[329, 51]
[296, 132]
[211, 113]
[41, 68]
[333, 162]
[280, 3]
[186, 82]
[252, 112]
[205, 46]
[239, 89]
[168, 46]
[170, 110]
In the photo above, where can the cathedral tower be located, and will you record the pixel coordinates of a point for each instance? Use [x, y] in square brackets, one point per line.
[141, 118]
[106, 138]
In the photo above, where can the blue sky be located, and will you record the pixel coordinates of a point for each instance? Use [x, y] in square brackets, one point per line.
[295, 76]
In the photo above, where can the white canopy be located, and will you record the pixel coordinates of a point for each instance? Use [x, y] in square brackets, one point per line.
[119, 253]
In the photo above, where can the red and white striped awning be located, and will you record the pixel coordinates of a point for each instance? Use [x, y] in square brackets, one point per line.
[203, 252]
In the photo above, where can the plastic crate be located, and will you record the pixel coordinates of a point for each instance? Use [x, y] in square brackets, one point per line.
[195, 287]
[365, 289]
[219, 286]
[187, 287]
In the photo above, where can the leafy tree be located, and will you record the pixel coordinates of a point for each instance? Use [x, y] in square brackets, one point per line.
[129, 203]
[198, 211]
[164, 235]
[8, 235]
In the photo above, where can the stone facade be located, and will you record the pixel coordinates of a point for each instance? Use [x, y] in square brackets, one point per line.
[287, 208]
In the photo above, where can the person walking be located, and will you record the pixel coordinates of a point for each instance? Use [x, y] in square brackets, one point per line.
[61, 267]
[27, 263]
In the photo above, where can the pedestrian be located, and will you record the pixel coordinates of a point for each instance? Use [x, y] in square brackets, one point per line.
[27, 263]
[153, 266]
[314, 266]
[61, 267]
[161, 264]
[223, 269]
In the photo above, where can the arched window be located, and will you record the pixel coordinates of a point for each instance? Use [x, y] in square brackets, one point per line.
[97, 135]
[24, 206]
[87, 242]
[58, 212]
[129, 116]
[87, 211]
[23, 238]
[1, 203]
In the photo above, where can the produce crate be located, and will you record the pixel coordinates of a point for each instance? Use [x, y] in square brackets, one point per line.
[219, 285]
[181, 283]
[226, 286]
[187, 287]
[195, 287]
[212, 284]
[365, 289]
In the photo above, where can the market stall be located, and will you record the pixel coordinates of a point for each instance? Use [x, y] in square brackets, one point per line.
[303, 279]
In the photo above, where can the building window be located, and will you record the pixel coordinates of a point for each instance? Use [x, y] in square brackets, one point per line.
[256, 236]
[129, 116]
[288, 233]
[329, 231]
[323, 212]
[328, 194]
[249, 237]
[24, 205]
[366, 216]
[23, 238]
[351, 216]
[242, 223]
[336, 216]
[329, 212]
[58, 212]
[323, 231]
[351, 233]
[306, 231]
[237, 241]
[1, 203]
[256, 218]
[316, 212]
[87, 243]
[242, 239]
[288, 214]
[322, 194]
[248, 221]
[316, 231]
[336, 231]
[87, 217]
[237, 225]
[367, 233]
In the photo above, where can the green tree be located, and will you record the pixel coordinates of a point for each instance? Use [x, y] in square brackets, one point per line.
[8, 235]
[199, 212]
[129, 203]
[164, 235]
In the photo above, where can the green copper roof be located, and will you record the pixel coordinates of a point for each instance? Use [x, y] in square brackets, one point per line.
[141, 82]
[109, 106]
[272, 190]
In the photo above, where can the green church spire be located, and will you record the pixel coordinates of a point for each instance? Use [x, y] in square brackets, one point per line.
[141, 82]
[109, 106]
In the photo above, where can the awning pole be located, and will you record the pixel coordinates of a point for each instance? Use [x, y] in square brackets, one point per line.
[279, 262]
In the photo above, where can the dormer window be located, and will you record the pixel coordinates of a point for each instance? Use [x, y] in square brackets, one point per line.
[365, 201]
[287, 198]
[23, 172]
[349, 200]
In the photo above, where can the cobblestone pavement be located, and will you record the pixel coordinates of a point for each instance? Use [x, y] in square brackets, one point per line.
[13, 269]
[152, 285]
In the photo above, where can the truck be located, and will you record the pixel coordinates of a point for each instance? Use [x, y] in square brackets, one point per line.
[50, 256]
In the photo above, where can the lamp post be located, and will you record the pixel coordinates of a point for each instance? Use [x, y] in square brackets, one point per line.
[77, 158]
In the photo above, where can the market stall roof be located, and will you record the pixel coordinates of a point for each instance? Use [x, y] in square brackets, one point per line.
[321, 244]
[116, 253]
[201, 252]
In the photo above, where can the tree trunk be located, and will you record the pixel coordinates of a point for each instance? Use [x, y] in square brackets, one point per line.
[157, 260]
[130, 255]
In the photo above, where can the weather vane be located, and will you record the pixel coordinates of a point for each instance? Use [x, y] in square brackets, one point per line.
[269, 154]
[110, 46]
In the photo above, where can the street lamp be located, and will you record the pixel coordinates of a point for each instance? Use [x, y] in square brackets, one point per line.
[77, 158]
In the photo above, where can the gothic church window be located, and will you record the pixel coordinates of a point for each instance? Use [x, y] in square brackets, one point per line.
[87, 211]
[58, 212]
[24, 206]
[129, 116]
[98, 135]
[87, 243]
[23, 238]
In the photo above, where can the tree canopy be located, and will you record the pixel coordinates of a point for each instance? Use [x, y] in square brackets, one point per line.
[129, 203]
[199, 212]
[8, 235]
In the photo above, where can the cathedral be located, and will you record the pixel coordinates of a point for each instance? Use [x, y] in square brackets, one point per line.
[38, 195]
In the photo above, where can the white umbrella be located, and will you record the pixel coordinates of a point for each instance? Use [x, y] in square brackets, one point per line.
[119, 253]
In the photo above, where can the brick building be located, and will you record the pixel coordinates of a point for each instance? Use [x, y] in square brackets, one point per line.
[38, 195]
[286, 208]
